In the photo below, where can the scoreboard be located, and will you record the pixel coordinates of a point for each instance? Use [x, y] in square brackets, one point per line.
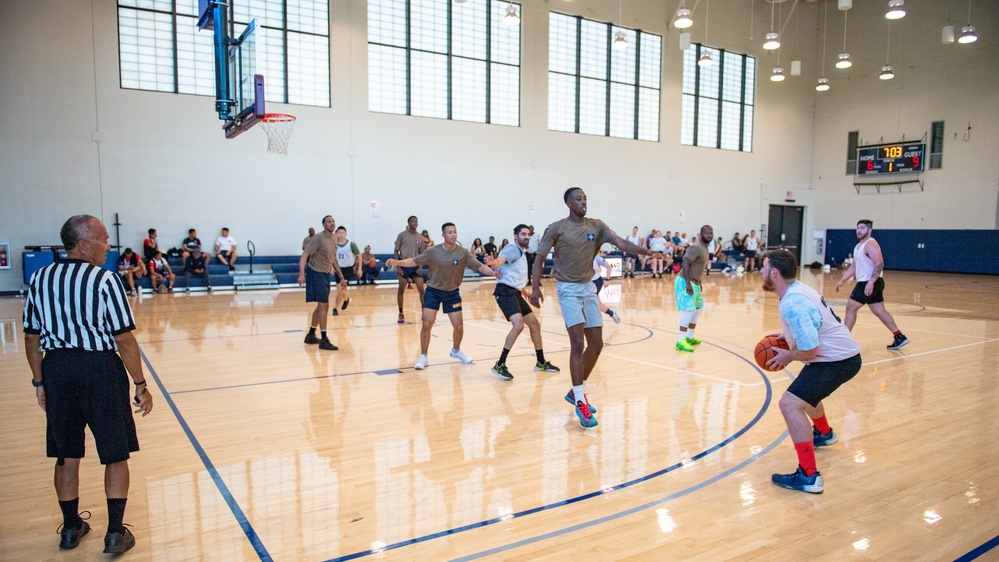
[894, 158]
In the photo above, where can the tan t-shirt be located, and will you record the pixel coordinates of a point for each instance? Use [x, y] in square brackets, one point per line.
[697, 256]
[576, 244]
[447, 267]
[322, 252]
[409, 244]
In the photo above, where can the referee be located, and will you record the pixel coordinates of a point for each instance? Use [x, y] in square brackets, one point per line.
[76, 317]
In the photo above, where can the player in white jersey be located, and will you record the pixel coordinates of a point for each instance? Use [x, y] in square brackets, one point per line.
[868, 265]
[347, 257]
[817, 338]
[512, 263]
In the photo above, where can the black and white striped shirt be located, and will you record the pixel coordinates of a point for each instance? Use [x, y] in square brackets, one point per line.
[75, 305]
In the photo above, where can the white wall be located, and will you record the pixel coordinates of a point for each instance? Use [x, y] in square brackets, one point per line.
[72, 141]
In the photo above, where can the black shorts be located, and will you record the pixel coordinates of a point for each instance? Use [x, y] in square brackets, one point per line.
[818, 380]
[434, 298]
[317, 286]
[88, 388]
[348, 274]
[410, 272]
[878, 295]
[599, 282]
[511, 301]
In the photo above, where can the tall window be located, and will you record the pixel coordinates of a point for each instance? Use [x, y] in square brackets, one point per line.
[718, 99]
[443, 59]
[852, 142]
[936, 145]
[597, 90]
[161, 49]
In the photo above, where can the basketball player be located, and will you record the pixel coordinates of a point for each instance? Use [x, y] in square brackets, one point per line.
[576, 240]
[687, 288]
[868, 265]
[817, 338]
[320, 256]
[512, 264]
[409, 244]
[447, 263]
[348, 258]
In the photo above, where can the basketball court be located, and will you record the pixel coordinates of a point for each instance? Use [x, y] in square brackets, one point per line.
[260, 447]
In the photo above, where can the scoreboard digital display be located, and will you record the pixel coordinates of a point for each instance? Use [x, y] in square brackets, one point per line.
[891, 159]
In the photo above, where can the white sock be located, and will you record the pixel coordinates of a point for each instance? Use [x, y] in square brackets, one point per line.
[577, 393]
[682, 334]
[690, 333]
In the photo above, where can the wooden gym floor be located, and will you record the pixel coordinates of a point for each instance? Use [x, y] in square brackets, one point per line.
[261, 447]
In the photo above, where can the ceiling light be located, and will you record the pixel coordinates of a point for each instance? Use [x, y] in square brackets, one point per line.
[947, 35]
[620, 42]
[886, 72]
[845, 4]
[705, 60]
[823, 85]
[967, 34]
[844, 61]
[772, 42]
[778, 74]
[895, 10]
[682, 19]
[511, 17]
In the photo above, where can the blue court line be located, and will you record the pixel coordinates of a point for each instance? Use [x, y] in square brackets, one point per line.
[570, 501]
[980, 550]
[237, 511]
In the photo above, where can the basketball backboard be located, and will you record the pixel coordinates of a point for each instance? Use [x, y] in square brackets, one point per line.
[239, 86]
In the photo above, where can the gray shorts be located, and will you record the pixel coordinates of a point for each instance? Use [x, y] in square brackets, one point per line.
[579, 304]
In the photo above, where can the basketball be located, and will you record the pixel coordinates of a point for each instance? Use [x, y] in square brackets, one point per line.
[765, 351]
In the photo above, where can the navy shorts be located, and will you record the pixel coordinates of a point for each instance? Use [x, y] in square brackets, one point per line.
[599, 282]
[317, 286]
[511, 301]
[88, 388]
[818, 380]
[410, 272]
[434, 298]
[878, 295]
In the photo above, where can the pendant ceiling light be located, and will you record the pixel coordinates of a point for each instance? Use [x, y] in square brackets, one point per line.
[682, 18]
[823, 84]
[887, 72]
[844, 57]
[620, 41]
[705, 59]
[511, 17]
[968, 34]
[772, 38]
[895, 10]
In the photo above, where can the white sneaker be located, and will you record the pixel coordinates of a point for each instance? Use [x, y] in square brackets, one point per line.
[421, 363]
[457, 354]
[615, 317]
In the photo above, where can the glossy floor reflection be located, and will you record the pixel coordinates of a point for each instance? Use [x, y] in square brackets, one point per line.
[261, 446]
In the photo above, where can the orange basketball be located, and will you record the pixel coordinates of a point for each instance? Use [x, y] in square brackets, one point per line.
[765, 351]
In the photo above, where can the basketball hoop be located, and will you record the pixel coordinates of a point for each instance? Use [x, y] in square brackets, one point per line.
[278, 127]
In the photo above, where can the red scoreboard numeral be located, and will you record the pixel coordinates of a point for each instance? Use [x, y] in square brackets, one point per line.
[870, 165]
[915, 161]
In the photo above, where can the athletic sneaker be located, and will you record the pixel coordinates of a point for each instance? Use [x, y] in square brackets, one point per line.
[460, 356]
[798, 481]
[502, 372]
[898, 342]
[546, 367]
[584, 414]
[824, 439]
[311, 339]
[326, 344]
[70, 538]
[336, 312]
[684, 346]
[402, 318]
[421, 363]
[116, 543]
[693, 341]
[569, 398]
[615, 317]
[344, 305]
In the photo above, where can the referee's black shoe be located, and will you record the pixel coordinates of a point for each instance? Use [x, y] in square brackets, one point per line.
[70, 538]
[326, 344]
[118, 542]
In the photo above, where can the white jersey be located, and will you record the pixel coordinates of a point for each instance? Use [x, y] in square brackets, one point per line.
[345, 254]
[636, 240]
[599, 263]
[808, 322]
[532, 244]
[865, 267]
[514, 271]
[752, 244]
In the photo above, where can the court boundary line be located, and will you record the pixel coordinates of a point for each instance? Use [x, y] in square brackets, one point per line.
[979, 550]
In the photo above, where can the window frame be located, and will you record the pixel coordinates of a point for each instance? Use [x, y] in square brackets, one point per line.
[698, 98]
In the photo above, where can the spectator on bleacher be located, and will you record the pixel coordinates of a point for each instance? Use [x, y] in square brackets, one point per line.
[191, 243]
[150, 245]
[719, 251]
[501, 246]
[848, 261]
[312, 232]
[427, 239]
[629, 259]
[736, 243]
[196, 263]
[657, 245]
[478, 250]
[369, 267]
[644, 258]
[750, 244]
[490, 247]
[160, 272]
[130, 267]
[348, 258]
[225, 249]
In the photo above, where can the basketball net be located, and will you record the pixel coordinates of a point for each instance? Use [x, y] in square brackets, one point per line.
[278, 127]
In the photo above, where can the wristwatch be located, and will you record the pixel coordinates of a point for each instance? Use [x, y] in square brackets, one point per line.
[36, 384]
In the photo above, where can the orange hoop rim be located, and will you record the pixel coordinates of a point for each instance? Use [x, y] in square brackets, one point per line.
[278, 118]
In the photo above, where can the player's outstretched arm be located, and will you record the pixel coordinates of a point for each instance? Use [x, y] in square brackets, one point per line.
[626, 246]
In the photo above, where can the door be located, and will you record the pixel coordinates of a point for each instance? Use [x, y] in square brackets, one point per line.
[784, 229]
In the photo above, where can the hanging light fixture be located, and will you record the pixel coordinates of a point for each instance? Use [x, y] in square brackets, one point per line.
[947, 34]
[823, 84]
[705, 59]
[844, 57]
[511, 17]
[682, 18]
[773, 41]
[777, 75]
[895, 10]
[887, 73]
[968, 34]
[620, 42]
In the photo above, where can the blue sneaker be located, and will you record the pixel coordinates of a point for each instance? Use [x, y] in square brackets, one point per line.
[569, 398]
[586, 418]
[798, 481]
[824, 439]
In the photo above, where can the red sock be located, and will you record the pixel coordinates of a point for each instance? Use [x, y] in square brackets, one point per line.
[806, 457]
[821, 424]
[897, 333]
